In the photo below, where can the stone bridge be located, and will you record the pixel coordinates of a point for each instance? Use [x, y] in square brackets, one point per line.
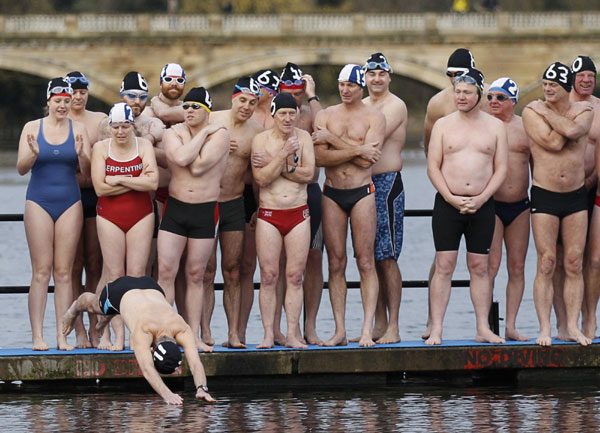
[217, 48]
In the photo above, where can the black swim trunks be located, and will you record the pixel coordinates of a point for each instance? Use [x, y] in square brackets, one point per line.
[232, 216]
[112, 293]
[508, 212]
[250, 205]
[191, 220]
[560, 204]
[347, 198]
[449, 225]
[314, 207]
[89, 200]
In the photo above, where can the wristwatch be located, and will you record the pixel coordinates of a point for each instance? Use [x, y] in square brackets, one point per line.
[313, 98]
[202, 387]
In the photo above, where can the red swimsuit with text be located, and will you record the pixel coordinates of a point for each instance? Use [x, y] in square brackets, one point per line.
[126, 209]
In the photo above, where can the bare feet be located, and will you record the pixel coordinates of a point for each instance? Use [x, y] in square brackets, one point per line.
[366, 341]
[234, 343]
[563, 334]
[295, 343]
[589, 329]
[427, 333]
[545, 339]
[267, 343]
[312, 338]
[104, 343]
[576, 335]
[202, 346]
[487, 336]
[94, 336]
[82, 341]
[279, 338]
[209, 340]
[513, 335]
[61, 342]
[336, 340]
[434, 338]
[39, 344]
[354, 340]
[390, 336]
[117, 347]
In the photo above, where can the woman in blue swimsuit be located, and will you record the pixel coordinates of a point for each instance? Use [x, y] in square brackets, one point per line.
[51, 148]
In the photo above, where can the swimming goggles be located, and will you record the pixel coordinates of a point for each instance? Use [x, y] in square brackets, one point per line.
[292, 83]
[59, 90]
[142, 96]
[180, 80]
[249, 91]
[500, 97]
[456, 72]
[194, 105]
[465, 79]
[73, 80]
[377, 65]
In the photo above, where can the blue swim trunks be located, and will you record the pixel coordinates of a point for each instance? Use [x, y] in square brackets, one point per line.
[389, 201]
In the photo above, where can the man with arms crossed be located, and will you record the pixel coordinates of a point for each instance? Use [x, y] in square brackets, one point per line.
[156, 330]
[347, 141]
[232, 222]
[283, 216]
[466, 163]
[511, 202]
[197, 156]
[558, 131]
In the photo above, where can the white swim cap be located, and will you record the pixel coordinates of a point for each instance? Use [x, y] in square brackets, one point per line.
[121, 113]
[352, 73]
[508, 86]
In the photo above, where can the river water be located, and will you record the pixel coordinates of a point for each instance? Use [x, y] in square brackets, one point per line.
[421, 408]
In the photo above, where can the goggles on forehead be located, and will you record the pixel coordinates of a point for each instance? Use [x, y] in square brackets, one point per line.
[465, 79]
[180, 80]
[131, 94]
[249, 91]
[456, 72]
[268, 89]
[59, 90]
[82, 80]
[377, 65]
[292, 83]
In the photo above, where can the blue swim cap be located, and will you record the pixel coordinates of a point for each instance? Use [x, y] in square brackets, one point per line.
[353, 74]
[507, 86]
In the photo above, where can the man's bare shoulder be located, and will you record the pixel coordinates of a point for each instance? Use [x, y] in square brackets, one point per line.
[143, 118]
[253, 126]
[301, 133]
[79, 127]
[148, 111]
[96, 115]
[441, 104]
[581, 106]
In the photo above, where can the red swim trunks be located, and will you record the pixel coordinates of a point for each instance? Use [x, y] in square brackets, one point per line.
[284, 220]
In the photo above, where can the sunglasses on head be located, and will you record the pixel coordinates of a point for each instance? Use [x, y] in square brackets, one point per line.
[193, 105]
[500, 97]
[248, 91]
[82, 80]
[142, 96]
[180, 80]
[377, 65]
[290, 83]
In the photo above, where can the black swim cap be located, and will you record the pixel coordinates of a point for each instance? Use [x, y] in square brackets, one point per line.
[583, 63]
[134, 81]
[247, 85]
[167, 357]
[58, 86]
[460, 60]
[267, 79]
[77, 80]
[282, 100]
[199, 95]
[472, 76]
[291, 76]
[377, 61]
[561, 74]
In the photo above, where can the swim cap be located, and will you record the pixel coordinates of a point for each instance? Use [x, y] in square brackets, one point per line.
[561, 74]
[167, 357]
[291, 77]
[583, 63]
[199, 95]
[282, 100]
[58, 87]
[172, 70]
[77, 80]
[352, 73]
[460, 61]
[472, 76]
[248, 86]
[377, 61]
[267, 79]
[134, 81]
[121, 113]
[507, 86]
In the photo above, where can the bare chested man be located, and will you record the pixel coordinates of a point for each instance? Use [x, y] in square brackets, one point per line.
[558, 131]
[283, 216]
[466, 163]
[348, 140]
[389, 197]
[232, 221]
[88, 254]
[197, 156]
[156, 330]
[511, 202]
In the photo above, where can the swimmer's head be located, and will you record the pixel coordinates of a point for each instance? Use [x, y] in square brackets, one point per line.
[268, 80]
[77, 80]
[353, 74]
[377, 61]
[283, 100]
[200, 96]
[121, 113]
[59, 87]
[583, 63]
[459, 62]
[507, 86]
[584, 76]
[291, 77]
[473, 77]
[134, 81]
[247, 86]
[166, 355]
[561, 74]
[172, 71]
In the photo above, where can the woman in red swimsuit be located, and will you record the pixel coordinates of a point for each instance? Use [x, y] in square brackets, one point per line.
[123, 173]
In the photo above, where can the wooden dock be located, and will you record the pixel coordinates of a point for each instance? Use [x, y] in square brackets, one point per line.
[347, 365]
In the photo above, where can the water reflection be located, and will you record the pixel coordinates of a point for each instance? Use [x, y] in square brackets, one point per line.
[385, 409]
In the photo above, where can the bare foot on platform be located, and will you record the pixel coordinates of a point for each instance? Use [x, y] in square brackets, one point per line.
[279, 339]
[563, 334]
[336, 340]
[391, 336]
[94, 337]
[295, 343]
[313, 338]
[207, 339]
[203, 346]
[82, 341]
[234, 344]
[104, 344]
[545, 339]
[487, 336]
[427, 333]
[577, 335]
[266, 344]
[434, 338]
[366, 341]
[117, 347]
[39, 344]
[61, 342]
[513, 335]
[589, 329]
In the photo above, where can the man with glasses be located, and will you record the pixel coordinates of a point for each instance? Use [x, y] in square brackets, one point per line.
[88, 254]
[389, 197]
[511, 202]
[466, 163]
[558, 129]
[232, 218]
[166, 105]
[197, 156]
[348, 138]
